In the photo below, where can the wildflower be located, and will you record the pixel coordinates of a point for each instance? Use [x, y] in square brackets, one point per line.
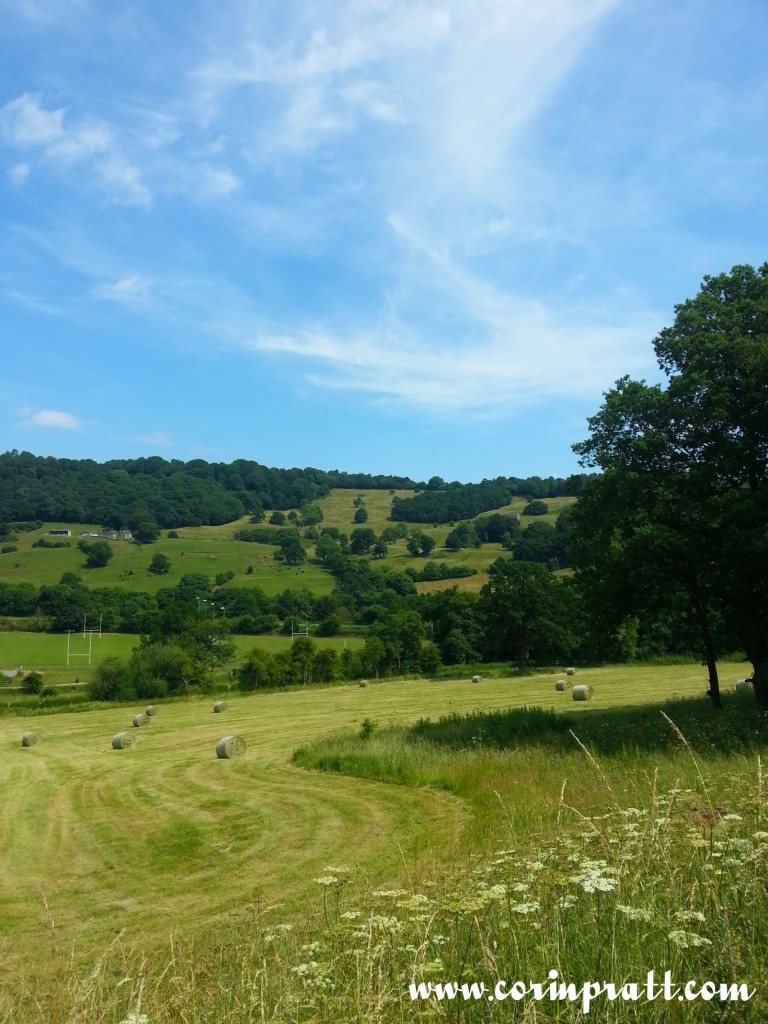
[566, 902]
[760, 835]
[689, 915]
[732, 817]
[302, 970]
[683, 940]
[415, 902]
[595, 876]
[350, 915]
[135, 1018]
[634, 913]
[525, 908]
[328, 880]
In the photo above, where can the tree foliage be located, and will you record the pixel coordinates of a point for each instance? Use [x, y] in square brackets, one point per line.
[687, 472]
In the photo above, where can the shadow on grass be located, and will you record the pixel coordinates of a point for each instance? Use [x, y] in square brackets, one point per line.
[736, 727]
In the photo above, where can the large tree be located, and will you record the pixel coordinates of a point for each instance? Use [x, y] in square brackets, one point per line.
[526, 614]
[694, 454]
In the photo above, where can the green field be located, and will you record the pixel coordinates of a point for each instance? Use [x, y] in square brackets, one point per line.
[47, 652]
[166, 840]
[211, 550]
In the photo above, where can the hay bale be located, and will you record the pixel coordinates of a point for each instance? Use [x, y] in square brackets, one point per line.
[744, 686]
[140, 719]
[29, 739]
[363, 682]
[476, 679]
[581, 692]
[219, 706]
[562, 685]
[151, 710]
[570, 671]
[231, 746]
[123, 741]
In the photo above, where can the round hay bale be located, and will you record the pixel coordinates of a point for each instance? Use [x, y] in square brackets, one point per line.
[363, 682]
[570, 671]
[123, 741]
[581, 692]
[744, 686]
[562, 685]
[476, 679]
[219, 706]
[231, 746]
[29, 739]
[151, 710]
[141, 719]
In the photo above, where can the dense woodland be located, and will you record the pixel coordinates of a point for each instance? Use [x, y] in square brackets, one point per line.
[132, 492]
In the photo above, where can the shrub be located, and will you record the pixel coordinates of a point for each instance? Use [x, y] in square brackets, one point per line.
[536, 508]
[32, 683]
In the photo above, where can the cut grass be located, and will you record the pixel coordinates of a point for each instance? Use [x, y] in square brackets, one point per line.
[479, 857]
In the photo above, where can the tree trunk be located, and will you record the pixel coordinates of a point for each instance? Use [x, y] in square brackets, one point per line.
[760, 683]
[757, 652]
[710, 655]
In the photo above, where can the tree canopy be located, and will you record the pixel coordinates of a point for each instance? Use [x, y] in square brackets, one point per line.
[686, 473]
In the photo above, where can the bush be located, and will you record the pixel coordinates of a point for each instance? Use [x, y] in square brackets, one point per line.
[536, 508]
[32, 683]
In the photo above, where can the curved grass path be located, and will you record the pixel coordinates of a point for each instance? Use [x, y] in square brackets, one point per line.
[165, 838]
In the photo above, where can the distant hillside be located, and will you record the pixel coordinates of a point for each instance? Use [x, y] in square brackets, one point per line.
[126, 492]
[131, 492]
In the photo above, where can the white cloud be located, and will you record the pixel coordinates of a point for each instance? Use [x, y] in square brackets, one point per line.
[19, 174]
[26, 124]
[50, 418]
[128, 289]
[530, 358]
[161, 438]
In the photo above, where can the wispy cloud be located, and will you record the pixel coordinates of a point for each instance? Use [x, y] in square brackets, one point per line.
[50, 418]
[131, 289]
[26, 124]
[160, 438]
[19, 173]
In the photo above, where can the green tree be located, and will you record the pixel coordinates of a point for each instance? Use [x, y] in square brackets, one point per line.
[98, 554]
[311, 514]
[526, 613]
[145, 532]
[160, 564]
[536, 508]
[362, 540]
[361, 515]
[256, 671]
[32, 683]
[699, 448]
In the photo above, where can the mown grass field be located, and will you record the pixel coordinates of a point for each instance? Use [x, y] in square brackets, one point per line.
[165, 840]
[211, 550]
[74, 803]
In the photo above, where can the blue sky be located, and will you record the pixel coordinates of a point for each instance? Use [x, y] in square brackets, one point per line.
[393, 236]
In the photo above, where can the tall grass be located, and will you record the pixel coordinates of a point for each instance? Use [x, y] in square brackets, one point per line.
[600, 865]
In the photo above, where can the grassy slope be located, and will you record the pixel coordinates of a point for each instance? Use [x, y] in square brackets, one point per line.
[166, 838]
[211, 550]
